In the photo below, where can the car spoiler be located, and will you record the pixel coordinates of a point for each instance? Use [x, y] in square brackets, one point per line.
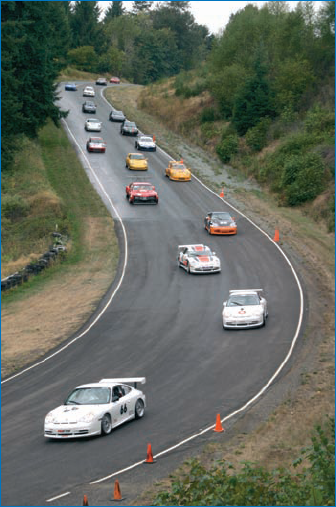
[244, 291]
[186, 246]
[130, 380]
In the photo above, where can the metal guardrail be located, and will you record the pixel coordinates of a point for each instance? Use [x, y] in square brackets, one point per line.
[56, 251]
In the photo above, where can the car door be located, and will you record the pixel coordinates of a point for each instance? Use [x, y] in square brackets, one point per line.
[120, 406]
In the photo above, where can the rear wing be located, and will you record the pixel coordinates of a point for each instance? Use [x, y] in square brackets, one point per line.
[130, 380]
[188, 246]
[246, 291]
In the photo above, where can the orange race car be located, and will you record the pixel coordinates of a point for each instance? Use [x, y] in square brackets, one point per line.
[177, 171]
[220, 222]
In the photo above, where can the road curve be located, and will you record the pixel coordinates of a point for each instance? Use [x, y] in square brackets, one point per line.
[162, 323]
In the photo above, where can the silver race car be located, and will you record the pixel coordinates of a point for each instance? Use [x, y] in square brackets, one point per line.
[198, 259]
[95, 409]
[244, 309]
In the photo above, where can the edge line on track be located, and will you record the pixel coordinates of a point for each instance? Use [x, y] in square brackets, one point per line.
[275, 374]
[115, 290]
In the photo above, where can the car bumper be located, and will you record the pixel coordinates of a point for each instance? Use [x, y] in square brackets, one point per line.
[126, 133]
[144, 200]
[93, 129]
[76, 430]
[88, 94]
[176, 178]
[233, 323]
[145, 148]
[223, 230]
[133, 168]
[203, 270]
[96, 150]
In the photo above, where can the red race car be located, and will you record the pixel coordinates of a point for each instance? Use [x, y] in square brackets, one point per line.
[142, 193]
[115, 80]
[96, 144]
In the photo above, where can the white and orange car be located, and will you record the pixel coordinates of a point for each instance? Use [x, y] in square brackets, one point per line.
[198, 259]
[220, 222]
[177, 171]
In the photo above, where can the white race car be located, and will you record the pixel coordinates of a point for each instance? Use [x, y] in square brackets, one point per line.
[88, 91]
[244, 309]
[198, 259]
[95, 409]
[145, 143]
[93, 124]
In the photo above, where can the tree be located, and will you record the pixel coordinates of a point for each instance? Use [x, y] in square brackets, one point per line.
[141, 6]
[35, 38]
[114, 10]
[85, 25]
[253, 101]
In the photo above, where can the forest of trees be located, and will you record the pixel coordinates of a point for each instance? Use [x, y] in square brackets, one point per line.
[268, 62]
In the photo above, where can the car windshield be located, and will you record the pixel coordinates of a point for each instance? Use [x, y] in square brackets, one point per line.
[194, 253]
[221, 216]
[89, 89]
[88, 103]
[93, 120]
[146, 139]
[178, 166]
[89, 396]
[118, 113]
[243, 300]
[97, 140]
[137, 156]
[130, 124]
[142, 187]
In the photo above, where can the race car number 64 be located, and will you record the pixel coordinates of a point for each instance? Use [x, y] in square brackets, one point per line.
[123, 408]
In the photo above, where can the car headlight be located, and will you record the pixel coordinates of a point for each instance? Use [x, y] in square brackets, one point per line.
[49, 418]
[88, 417]
[232, 224]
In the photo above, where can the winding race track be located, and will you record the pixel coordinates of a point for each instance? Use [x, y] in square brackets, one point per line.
[161, 323]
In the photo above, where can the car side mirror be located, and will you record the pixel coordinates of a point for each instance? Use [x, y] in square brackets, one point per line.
[115, 398]
[224, 304]
[213, 253]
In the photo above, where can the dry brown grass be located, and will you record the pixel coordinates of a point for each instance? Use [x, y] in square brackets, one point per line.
[32, 325]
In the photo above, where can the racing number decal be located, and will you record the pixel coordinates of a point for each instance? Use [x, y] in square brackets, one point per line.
[123, 409]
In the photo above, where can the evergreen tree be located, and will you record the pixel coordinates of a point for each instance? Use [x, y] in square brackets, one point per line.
[141, 6]
[85, 25]
[34, 38]
[114, 10]
[253, 101]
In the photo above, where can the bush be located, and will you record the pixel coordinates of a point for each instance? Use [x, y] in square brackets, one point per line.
[256, 137]
[208, 114]
[255, 485]
[302, 178]
[227, 147]
[319, 120]
[14, 207]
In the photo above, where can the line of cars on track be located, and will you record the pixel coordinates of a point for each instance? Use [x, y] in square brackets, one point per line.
[94, 409]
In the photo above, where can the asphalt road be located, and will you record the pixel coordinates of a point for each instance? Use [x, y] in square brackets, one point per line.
[162, 323]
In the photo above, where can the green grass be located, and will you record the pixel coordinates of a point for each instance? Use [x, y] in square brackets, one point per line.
[48, 175]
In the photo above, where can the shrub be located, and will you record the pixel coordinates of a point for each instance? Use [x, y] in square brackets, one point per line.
[302, 178]
[208, 114]
[256, 137]
[14, 207]
[227, 147]
[319, 120]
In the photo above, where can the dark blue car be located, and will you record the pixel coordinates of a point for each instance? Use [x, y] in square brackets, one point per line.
[71, 87]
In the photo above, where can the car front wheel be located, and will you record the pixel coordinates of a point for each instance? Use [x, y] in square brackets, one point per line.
[106, 425]
[139, 409]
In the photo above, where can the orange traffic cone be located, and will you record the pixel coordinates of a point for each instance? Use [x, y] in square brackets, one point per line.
[222, 193]
[218, 426]
[149, 458]
[85, 500]
[117, 492]
[276, 235]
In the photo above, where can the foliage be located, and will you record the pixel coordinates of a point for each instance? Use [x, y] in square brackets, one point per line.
[228, 145]
[13, 206]
[34, 42]
[256, 137]
[302, 178]
[83, 58]
[255, 485]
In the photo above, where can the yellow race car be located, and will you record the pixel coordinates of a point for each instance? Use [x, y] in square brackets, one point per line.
[177, 171]
[137, 162]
